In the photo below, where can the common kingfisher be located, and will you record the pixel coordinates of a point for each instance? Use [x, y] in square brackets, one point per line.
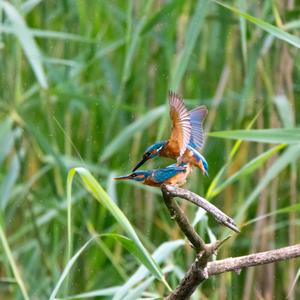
[186, 136]
[175, 174]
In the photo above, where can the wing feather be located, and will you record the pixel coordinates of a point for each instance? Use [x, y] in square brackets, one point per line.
[181, 124]
[197, 116]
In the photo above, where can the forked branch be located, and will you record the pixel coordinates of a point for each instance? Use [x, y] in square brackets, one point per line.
[201, 269]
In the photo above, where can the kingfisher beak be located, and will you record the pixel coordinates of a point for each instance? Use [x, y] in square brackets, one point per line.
[140, 163]
[125, 177]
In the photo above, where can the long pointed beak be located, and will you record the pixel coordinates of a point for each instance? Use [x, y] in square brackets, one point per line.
[140, 164]
[125, 177]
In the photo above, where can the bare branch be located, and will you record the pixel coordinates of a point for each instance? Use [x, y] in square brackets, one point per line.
[198, 272]
[192, 278]
[220, 217]
[201, 269]
[260, 258]
[184, 224]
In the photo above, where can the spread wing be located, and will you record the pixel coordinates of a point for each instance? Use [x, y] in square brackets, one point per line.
[181, 126]
[197, 116]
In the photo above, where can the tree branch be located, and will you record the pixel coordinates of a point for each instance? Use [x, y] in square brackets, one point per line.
[197, 273]
[201, 269]
[251, 260]
[220, 217]
[178, 215]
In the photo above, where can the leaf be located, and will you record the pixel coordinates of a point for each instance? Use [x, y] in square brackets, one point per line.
[273, 136]
[125, 242]
[68, 268]
[232, 154]
[290, 156]
[293, 285]
[13, 264]
[284, 210]
[9, 181]
[97, 191]
[128, 244]
[285, 111]
[247, 169]
[124, 136]
[138, 291]
[29, 45]
[191, 37]
[162, 14]
[273, 30]
[97, 293]
[159, 255]
[6, 134]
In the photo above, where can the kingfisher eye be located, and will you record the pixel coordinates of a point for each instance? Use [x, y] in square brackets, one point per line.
[147, 154]
[133, 175]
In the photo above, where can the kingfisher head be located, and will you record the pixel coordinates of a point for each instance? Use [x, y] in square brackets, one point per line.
[151, 152]
[139, 176]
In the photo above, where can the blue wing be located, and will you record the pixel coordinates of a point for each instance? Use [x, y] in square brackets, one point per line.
[163, 174]
[197, 117]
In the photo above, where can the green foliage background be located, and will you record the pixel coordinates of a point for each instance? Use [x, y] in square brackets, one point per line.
[84, 83]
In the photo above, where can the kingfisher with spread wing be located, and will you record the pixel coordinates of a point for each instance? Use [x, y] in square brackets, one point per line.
[186, 136]
[175, 174]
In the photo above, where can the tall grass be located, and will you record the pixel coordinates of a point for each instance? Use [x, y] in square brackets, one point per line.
[85, 85]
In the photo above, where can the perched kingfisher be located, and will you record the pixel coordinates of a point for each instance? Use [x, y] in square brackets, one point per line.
[186, 136]
[175, 174]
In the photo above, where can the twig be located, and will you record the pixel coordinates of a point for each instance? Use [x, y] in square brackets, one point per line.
[220, 217]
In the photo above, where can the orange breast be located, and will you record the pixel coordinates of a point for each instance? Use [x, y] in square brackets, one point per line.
[188, 157]
[149, 181]
[171, 150]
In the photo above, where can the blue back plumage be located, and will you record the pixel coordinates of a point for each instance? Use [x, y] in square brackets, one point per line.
[160, 175]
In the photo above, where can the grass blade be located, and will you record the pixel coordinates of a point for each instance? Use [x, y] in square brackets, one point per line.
[159, 255]
[98, 192]
[273, 30]
[125, 242]
[29, 45]
[12, 263]
[191, 36]
[6, 134]
[163, 13]
[250, 167]
[232, 154]
[291, 155]
[284, 210]
[285, 111]
[9, 181]
[68, 268]
[97, 293]
[273, 136]
[137, 126]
